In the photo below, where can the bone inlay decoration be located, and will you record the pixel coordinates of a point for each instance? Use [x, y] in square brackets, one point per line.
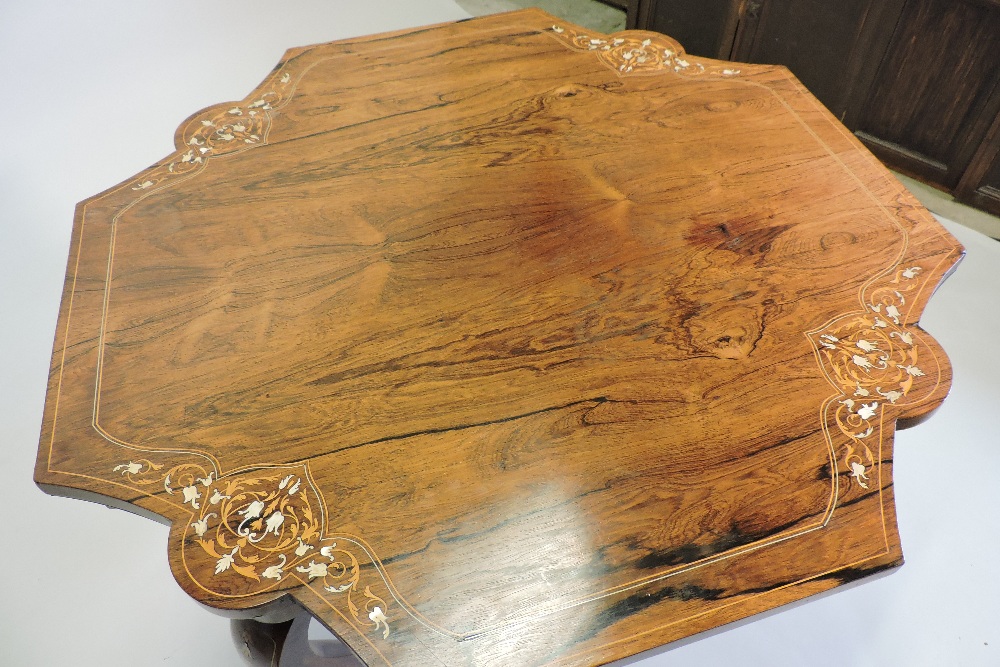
[262, 530]
[874, 360]
[647, 53]
[222, 130]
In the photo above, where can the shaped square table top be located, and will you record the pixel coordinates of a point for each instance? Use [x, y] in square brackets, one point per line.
[502, 342]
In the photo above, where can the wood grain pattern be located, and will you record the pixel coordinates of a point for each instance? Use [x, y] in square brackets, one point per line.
[499, 343]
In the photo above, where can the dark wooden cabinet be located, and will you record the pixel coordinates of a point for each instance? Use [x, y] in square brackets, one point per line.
[918, 81]
[980, 184]
[703, 27]
[785, 32]
[934, 97]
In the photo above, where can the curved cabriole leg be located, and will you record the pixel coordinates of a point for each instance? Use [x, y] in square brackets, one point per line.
[288, 645]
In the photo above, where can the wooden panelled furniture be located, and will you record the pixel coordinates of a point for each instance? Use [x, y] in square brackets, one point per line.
[918, 81]
[502, 342]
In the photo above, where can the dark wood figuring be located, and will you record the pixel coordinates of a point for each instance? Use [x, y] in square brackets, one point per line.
[918, 80]
[502, 342]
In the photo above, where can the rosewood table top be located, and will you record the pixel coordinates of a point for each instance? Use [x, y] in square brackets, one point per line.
[502, 342]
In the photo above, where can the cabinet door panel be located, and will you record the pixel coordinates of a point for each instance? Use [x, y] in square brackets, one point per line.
[980, 184]
[827, 45]
[703, 27]
[932, 100]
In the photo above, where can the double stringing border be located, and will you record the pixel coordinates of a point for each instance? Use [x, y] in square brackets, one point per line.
[266, 526]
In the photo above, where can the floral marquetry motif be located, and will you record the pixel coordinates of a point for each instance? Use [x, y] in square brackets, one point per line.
[639, 55]
[872, 358]
[221, 132]
[502, 342]
[257, 529]
[256, 525]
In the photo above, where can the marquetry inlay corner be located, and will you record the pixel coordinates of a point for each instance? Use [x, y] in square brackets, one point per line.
[883, 367]
[221, 129]
[637, 52]
[258, 532]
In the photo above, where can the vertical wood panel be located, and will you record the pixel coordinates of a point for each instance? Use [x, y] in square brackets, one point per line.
[704, 28]
[980, 184]
[931, 103]
[813, 38]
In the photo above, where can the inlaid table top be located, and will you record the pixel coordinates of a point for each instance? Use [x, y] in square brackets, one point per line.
[502, 342]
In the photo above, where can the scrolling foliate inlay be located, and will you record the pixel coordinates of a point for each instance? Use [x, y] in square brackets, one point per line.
[220, 132]
[256, 531]
[262, 530]
[874, 361]
[629, 55]
[255, 526]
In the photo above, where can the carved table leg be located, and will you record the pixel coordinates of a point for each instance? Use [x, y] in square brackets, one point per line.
[288, 645]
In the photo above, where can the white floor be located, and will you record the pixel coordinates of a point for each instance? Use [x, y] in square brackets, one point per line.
[93, 93]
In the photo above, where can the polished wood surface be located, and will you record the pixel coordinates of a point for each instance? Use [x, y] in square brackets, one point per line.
[502, 343]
